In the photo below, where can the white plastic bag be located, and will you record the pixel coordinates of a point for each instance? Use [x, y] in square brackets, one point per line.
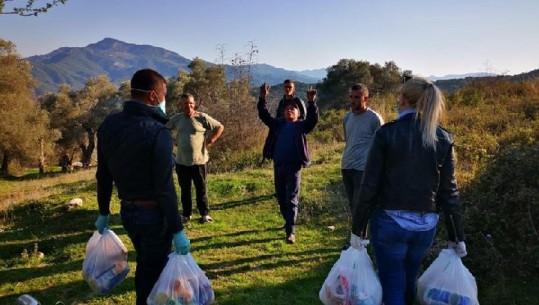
[105, 264]
[447, 281]
[181, 282]
[352, 281]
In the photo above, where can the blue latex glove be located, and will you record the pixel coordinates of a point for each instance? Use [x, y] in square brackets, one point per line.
[181, 242]
[101, 223]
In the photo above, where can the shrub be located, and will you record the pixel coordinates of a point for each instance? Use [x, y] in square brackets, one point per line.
[503, 209]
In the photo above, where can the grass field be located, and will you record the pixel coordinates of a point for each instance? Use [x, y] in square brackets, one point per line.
[243, 252]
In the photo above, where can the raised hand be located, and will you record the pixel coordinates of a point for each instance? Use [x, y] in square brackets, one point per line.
[311, 93]
[264, 90]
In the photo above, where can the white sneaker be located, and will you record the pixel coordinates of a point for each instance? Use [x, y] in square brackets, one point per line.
[206, 218]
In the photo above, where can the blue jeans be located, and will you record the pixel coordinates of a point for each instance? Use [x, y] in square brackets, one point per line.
[399, 254]
[152, 242]
[287, 179]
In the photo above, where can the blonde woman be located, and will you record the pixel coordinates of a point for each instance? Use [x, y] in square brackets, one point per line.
[409, 177]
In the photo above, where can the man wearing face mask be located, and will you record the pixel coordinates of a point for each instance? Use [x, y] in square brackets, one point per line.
[195, 133]
[134, 153]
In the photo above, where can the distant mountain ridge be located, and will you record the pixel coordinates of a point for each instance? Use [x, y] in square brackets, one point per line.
[119, 60]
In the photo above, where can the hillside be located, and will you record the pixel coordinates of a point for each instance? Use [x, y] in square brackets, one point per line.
[119, 60]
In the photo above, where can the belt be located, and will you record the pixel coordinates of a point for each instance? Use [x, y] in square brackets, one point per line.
[142, 203]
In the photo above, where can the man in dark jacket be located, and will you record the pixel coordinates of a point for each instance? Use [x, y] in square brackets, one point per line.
[287, 145]
[134, 151]
[289, 88]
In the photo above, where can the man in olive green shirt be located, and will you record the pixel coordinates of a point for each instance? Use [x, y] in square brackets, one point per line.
[195, 132]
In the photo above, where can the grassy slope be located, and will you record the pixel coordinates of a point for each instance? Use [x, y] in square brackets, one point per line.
[243, 252]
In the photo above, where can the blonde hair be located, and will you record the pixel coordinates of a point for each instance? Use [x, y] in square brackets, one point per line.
[428, 102]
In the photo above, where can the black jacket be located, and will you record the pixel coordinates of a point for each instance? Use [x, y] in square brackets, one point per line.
[401, 174]
[274, 125]
[134, 150]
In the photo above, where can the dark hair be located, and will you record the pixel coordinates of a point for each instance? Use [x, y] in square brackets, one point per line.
[361, 87]
[288, 81]
[406, 77]
[144, 81]
[186, 95]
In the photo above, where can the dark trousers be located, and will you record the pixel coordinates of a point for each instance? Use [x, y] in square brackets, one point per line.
[152, 242]
[186, 176]
[351, 179]
[287, 179]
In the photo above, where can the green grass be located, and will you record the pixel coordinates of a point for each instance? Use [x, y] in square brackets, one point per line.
[243, 252]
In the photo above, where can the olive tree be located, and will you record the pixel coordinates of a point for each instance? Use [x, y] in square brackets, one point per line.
[26, 135]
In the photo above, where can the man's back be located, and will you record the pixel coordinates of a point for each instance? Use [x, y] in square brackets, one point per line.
[126, 143]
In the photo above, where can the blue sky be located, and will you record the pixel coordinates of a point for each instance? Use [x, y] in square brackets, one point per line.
[429, 37]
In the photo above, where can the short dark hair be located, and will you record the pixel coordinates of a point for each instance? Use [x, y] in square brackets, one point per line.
[361, 87]
[288, 81]
[186, 95]
[145, 80]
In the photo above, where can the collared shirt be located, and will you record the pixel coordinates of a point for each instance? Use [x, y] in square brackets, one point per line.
[413, 221]
[191, 135]
[405, 112]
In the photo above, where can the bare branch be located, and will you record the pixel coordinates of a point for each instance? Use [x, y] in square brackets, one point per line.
[29, 9]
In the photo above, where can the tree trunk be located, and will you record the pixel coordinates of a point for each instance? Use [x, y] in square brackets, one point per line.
[87, 150]
[5, 164]
[65, 162]
[41, 158]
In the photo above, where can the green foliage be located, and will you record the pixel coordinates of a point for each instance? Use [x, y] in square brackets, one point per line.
[502, 212]
[346, 72]
[24, 125]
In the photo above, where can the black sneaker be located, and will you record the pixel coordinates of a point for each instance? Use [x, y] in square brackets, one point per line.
[185, 219]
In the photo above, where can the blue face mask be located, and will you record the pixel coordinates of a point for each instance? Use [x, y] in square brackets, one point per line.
[162, 107]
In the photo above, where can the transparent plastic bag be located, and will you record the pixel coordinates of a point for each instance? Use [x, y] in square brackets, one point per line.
[447, 281]
[181, 282]
[105, 264]
[352, 281]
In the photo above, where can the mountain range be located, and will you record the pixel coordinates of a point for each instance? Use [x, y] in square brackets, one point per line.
[119, 60]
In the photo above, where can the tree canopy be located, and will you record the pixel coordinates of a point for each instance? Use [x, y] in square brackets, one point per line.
[379, 79]
[24, 125]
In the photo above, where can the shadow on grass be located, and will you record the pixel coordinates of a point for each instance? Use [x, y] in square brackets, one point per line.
[301, 290]
[31, 176]
[236, 203]
[34, 175]
[264, 262]
[76, 292]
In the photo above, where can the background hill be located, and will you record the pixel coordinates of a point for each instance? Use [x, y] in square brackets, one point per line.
[119, 60]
